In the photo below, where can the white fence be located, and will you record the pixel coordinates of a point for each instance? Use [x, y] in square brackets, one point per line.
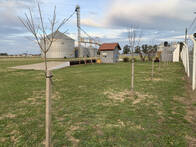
[188, 56]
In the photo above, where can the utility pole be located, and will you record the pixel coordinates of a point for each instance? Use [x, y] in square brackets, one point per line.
[78, 26]
[186, 32]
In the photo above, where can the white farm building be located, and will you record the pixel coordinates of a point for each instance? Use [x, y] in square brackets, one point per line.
[62, 47]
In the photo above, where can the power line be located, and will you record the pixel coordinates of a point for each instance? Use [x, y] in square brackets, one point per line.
[193, 29]
[67, 19]
[191, 25]
[87, 34]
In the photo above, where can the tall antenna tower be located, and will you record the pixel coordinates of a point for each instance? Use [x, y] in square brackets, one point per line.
[78, 26]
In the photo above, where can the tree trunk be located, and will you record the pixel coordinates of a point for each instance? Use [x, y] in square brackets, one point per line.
[159, 64]
[141, 57]
[45, 62]
[132, 75]
[152, 68]
[48, 108]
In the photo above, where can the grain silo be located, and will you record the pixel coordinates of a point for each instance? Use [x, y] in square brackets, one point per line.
[88, 52]
[93, 52]
[62, 47]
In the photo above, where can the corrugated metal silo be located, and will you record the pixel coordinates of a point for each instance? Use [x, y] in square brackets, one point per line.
[62, 47]
[93, 52]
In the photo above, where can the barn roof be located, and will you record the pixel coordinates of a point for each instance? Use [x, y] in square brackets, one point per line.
[60, 35]
[109, 46]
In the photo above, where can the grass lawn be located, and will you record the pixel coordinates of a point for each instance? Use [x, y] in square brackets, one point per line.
[92, 106]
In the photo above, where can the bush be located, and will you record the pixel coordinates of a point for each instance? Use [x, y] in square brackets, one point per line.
[125, 59]
[134, 59]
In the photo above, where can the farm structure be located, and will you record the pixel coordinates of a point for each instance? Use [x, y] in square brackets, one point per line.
[169, 53]
[109, 52]
[62, 47]
[88, 52]
[176, 53]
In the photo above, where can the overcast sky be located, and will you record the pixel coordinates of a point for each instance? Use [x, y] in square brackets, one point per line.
[159, 20]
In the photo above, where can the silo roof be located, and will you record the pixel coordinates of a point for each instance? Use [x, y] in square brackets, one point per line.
[60, 35]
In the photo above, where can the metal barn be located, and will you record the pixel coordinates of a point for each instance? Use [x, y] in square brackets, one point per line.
[62, 47]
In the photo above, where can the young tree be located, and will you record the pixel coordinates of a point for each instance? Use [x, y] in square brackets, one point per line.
[152, 49]
[39, 30]
[153, 53]
[139, 51]
[145, 50]
[149, 52]
[132, 41]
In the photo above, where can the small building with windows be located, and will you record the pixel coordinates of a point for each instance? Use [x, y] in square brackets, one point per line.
[109, 52]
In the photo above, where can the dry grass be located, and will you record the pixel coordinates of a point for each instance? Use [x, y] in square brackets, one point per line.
[8, 115]
[120, 124]
[189, 101]
[70, 137]
[136, 97]
[154, 79]
[191, 141]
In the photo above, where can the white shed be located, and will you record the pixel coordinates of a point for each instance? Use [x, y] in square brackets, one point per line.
[176, 53]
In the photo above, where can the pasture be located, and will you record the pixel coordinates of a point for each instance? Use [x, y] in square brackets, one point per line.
[92, 106]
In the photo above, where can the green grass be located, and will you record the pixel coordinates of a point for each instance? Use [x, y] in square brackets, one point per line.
[86, 109]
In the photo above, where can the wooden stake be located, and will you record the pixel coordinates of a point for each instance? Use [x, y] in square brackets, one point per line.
[48, 108]
[152, 68]
[132, 75]
[159, 65]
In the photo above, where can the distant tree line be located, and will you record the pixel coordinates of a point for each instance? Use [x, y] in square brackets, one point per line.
[3, 54]
[144, 51]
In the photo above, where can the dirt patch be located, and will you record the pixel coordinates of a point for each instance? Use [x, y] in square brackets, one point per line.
[190, 108]
[2, 139]
[82, 87]
[191, 141]
[14, 133]
[121, 96]
[56, 95]
[140, 97]
[98, 130]
[36, 98]
[189, 100]
[154, 79]
[8, 115]
[129, 124]
[70, 137]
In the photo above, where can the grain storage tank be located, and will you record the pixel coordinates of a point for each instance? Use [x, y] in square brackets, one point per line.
[88, 52]
[93, 52]
[62, 47]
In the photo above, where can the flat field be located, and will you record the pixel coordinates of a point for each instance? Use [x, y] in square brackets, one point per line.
[92, 106]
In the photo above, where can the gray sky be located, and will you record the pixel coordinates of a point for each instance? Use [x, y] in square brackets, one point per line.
[159, 20]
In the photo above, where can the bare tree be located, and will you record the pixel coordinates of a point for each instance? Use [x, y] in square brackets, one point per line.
[44, 41]
[132, 41]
